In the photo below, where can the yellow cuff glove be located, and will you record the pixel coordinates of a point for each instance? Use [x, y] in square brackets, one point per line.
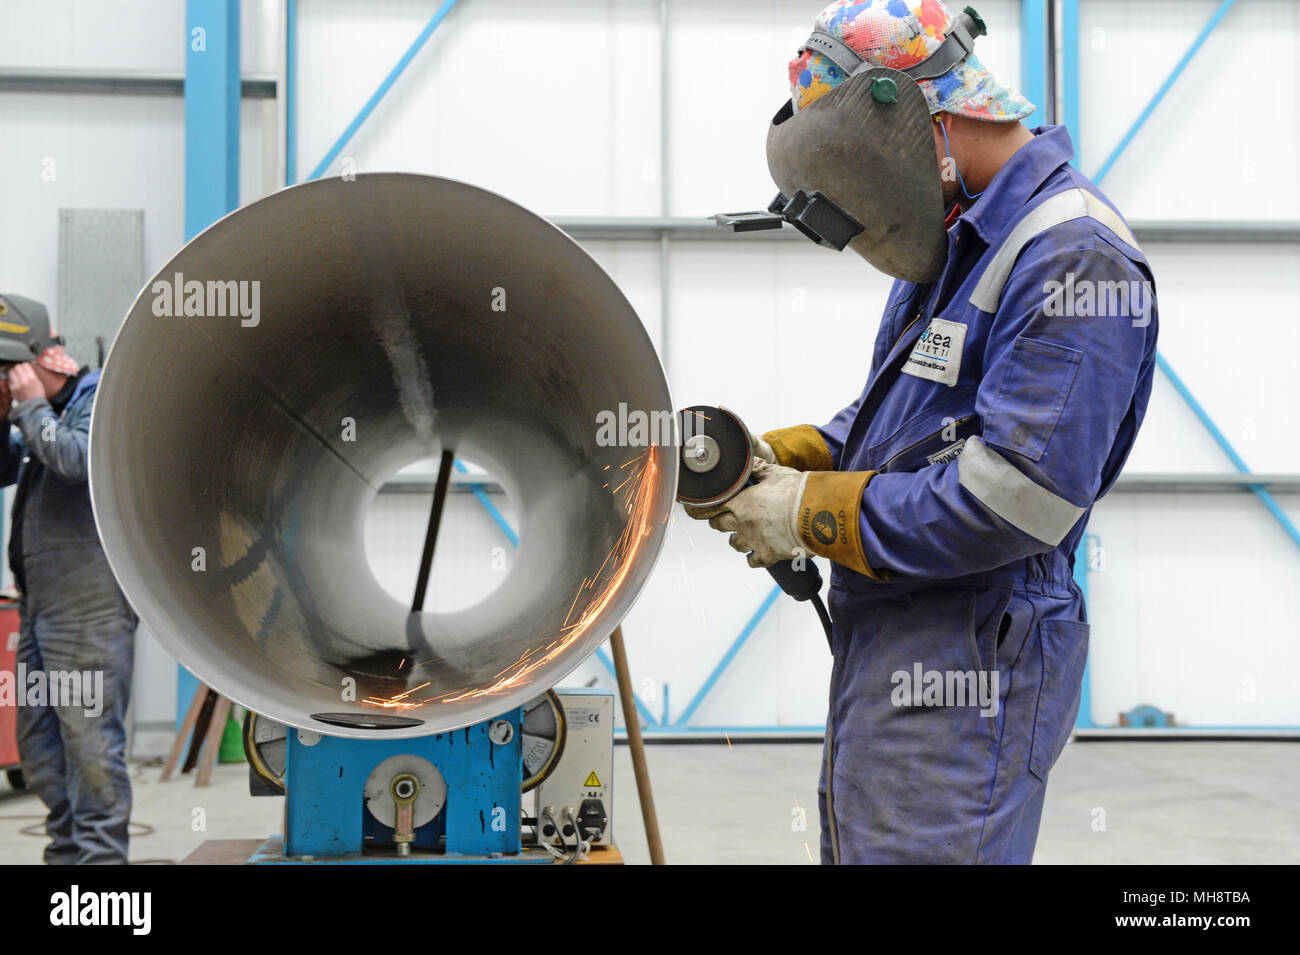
[788, 513]
[830, 518]
[800, 447]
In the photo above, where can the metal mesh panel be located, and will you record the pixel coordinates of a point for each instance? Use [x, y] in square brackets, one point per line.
[101, 268]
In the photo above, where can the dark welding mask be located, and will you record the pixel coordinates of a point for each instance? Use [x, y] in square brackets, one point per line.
[857, 166]
[24, 329]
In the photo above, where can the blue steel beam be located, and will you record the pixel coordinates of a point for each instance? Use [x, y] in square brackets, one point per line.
[1260, 491]
[212, 91]
[1070, 119]
[491, 508]
[1035, 42]
[1033, 59]
[384, 87]
[730, 655]
[1084, 719]
[290, 92]
[1070, 71]
[211, 112]
[1127, 138]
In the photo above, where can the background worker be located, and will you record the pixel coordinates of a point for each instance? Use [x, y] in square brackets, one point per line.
[74, 616]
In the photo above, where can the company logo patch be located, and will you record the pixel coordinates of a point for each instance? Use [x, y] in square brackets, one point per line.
[936, 356]
[947, 454]
[824, 527]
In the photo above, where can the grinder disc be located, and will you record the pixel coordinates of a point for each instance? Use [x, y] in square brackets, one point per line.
[716, 455]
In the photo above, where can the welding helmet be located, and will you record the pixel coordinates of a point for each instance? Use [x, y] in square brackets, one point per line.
[24, 329]
[857, 168]
[853, 151]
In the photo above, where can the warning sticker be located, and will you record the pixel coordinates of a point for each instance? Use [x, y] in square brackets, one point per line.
[593, 780]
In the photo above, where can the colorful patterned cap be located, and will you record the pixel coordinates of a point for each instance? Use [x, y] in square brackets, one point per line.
[900, 34]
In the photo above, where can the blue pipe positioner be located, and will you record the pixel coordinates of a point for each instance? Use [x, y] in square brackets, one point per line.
[337, 803]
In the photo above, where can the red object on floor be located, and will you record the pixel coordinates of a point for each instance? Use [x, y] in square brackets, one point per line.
[8, 714]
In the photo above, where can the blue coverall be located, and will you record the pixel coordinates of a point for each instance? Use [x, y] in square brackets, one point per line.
[993, 433]
[74, 618]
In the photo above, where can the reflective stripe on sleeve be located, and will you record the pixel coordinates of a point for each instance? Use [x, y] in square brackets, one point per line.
[1006, 491]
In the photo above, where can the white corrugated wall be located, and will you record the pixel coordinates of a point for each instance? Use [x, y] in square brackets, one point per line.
[557, 105]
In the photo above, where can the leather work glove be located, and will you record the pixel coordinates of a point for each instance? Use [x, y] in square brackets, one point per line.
[789, 513]
[762, 518]
[801, 447]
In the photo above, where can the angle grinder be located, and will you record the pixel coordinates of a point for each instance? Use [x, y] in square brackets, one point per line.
[717, 460]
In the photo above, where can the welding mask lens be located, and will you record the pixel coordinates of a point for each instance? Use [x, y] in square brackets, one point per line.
[818, 218]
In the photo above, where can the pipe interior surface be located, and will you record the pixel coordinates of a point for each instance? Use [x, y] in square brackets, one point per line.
[233, 457]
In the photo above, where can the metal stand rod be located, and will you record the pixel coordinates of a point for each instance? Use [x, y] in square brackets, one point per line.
[431, 534]
[212, 743]
[183, 734]
[637, 747]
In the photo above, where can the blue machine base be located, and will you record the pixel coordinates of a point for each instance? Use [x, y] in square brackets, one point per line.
[326, 817]
[271, 852]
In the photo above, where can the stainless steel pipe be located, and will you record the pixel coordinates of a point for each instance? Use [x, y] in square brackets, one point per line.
[241, 430]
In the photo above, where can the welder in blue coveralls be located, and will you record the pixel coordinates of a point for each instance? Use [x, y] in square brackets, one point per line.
[74, 617]
[1011, 373]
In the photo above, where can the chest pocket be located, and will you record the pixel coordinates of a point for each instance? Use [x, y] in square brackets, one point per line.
[1035, 384]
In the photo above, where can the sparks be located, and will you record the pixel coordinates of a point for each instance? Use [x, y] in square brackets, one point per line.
[601, 589]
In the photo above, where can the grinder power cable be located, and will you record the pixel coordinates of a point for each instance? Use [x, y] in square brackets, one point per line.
[717, 458]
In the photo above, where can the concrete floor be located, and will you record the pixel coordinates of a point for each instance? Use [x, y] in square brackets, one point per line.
[1182, 802]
